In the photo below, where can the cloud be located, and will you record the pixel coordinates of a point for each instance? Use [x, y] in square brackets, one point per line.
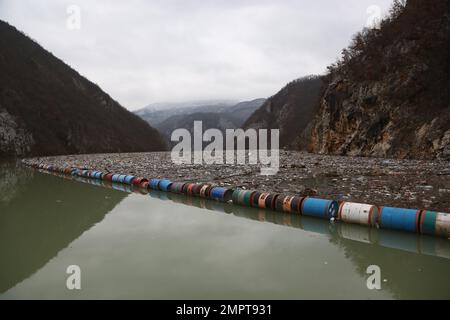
[165, 50]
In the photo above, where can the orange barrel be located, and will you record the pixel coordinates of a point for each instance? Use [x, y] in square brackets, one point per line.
[399, 219]
[188, 189]
[271, 200]
[221, 194]
[287, 204]
[262, 200]
[204, 191]
[320, 208]
[254, 199]
[177, 187]
[153, 184]
[138, 181]
[296, 203]
[359, 213]
[164, 185]
[435, 223]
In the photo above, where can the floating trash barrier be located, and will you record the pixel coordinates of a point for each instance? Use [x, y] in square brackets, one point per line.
[412, 220]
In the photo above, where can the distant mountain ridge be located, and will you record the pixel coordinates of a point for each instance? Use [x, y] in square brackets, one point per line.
[220, 116]
[47, 108]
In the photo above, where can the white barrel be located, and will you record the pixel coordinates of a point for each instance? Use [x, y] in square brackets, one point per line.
[443, 224]
[359, 213]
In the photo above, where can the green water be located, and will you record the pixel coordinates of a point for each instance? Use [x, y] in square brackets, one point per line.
[163, 246]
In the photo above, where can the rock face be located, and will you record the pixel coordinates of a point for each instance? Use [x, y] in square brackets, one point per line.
[47, 108]
[389, 95]
[291, 111]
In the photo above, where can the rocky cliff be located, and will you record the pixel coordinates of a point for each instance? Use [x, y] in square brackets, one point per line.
[291, 110]
[47, 108]
[389, 94]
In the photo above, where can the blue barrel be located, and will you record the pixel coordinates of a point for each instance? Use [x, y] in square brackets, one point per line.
[221, 194]
[128, 179]
[153, 184]
[320, 208]
[121, 178]
[98, 175]
[74, 172]
[115, 177]
[164, 185]
[399, 219]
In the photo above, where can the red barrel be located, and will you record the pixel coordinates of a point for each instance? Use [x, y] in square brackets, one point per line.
[138, 181]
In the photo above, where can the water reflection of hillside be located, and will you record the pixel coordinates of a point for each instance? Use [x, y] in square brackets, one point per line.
[40, 215]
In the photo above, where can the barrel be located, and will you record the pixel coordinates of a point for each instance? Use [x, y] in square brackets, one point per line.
[129, 180]
[279, 203]
[221, 194]
[176, 187]
[320, 208]
[164, 185]
[188, 188]
[139, 180]
[358, 213]
[435, 223]
[204, 191]
[143, 184]
[247, 198]
[235, 195]
[115, 178]
[121, 178]
[271, 200]
[108, 176]
[99, 175]
[296, 203]
[262, 200]
[287, 204]
[196, 189]
[153, 184]
[254, 199]
[399, 219]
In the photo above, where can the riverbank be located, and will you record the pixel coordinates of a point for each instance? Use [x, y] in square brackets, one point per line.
[384, 182]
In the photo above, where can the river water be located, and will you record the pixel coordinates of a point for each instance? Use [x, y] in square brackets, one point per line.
[132, 245]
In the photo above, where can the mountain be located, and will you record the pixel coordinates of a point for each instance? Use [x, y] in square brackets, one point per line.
[156, 113]
[291, 111]
[47, 108]
[389, 94]
[212, 116]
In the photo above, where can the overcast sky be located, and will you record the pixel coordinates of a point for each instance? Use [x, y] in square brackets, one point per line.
[141, 52]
